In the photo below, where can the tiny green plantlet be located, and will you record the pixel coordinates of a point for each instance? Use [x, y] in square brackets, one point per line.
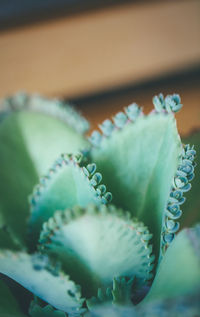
[97, 226]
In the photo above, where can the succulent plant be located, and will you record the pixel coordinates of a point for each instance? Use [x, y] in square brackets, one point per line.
[89, 226]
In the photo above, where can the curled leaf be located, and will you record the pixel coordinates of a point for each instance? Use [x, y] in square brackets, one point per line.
[138, 163]
[68, 183]
[96, 244]
[56, 290]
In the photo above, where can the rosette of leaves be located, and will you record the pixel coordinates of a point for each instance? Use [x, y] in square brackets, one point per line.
[99, 235]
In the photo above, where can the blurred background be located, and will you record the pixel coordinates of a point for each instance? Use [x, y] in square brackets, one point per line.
[103, 55]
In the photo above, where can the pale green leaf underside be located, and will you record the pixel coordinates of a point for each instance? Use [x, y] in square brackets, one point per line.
[8, 305]
[138, 163]
[60, 110]
[29, 143]
[191, 208]
[58, 291]
[96, 245]
[179, 270]
[46, 138]
[68, 186]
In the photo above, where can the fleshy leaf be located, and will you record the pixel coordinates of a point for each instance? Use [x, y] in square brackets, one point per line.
[138, 162]
[8, 240]
[8, 305]
[103, 296]
[122, 290]
[97, 244]
[69, 182]
[57, 290]
[17, 175]
[191, 208]
[188, 305]
[30, 140]
[119, 294]
[36, 310]
[52, 107]
[179, 270]
[108, 310]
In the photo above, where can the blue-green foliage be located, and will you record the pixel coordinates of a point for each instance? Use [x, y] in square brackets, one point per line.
[94, 258]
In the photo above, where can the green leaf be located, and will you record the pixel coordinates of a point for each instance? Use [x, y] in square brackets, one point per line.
[8, 240]
[119, 294]
[30, 140]
[17, 175]
[108, 310]
[191, 208]
[8, 305]
[138, 162]
[97, 244]
[46, 138]
[57, 290]
[122, 289]
[179, 271]
[176, 307]
[52, 107]
[36, 310]
[103, 296]
[69, 182]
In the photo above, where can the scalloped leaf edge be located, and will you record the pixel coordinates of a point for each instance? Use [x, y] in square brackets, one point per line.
[53, 107]
[181, 184]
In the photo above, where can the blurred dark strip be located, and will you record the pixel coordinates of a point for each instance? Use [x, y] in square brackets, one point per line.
[182, 78]
[99, 107]
[15, 13]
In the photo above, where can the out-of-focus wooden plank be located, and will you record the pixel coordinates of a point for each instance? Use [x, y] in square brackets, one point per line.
[15, 13]
[102, 49]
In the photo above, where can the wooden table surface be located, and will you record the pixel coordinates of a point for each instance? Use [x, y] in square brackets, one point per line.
[95, 51]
